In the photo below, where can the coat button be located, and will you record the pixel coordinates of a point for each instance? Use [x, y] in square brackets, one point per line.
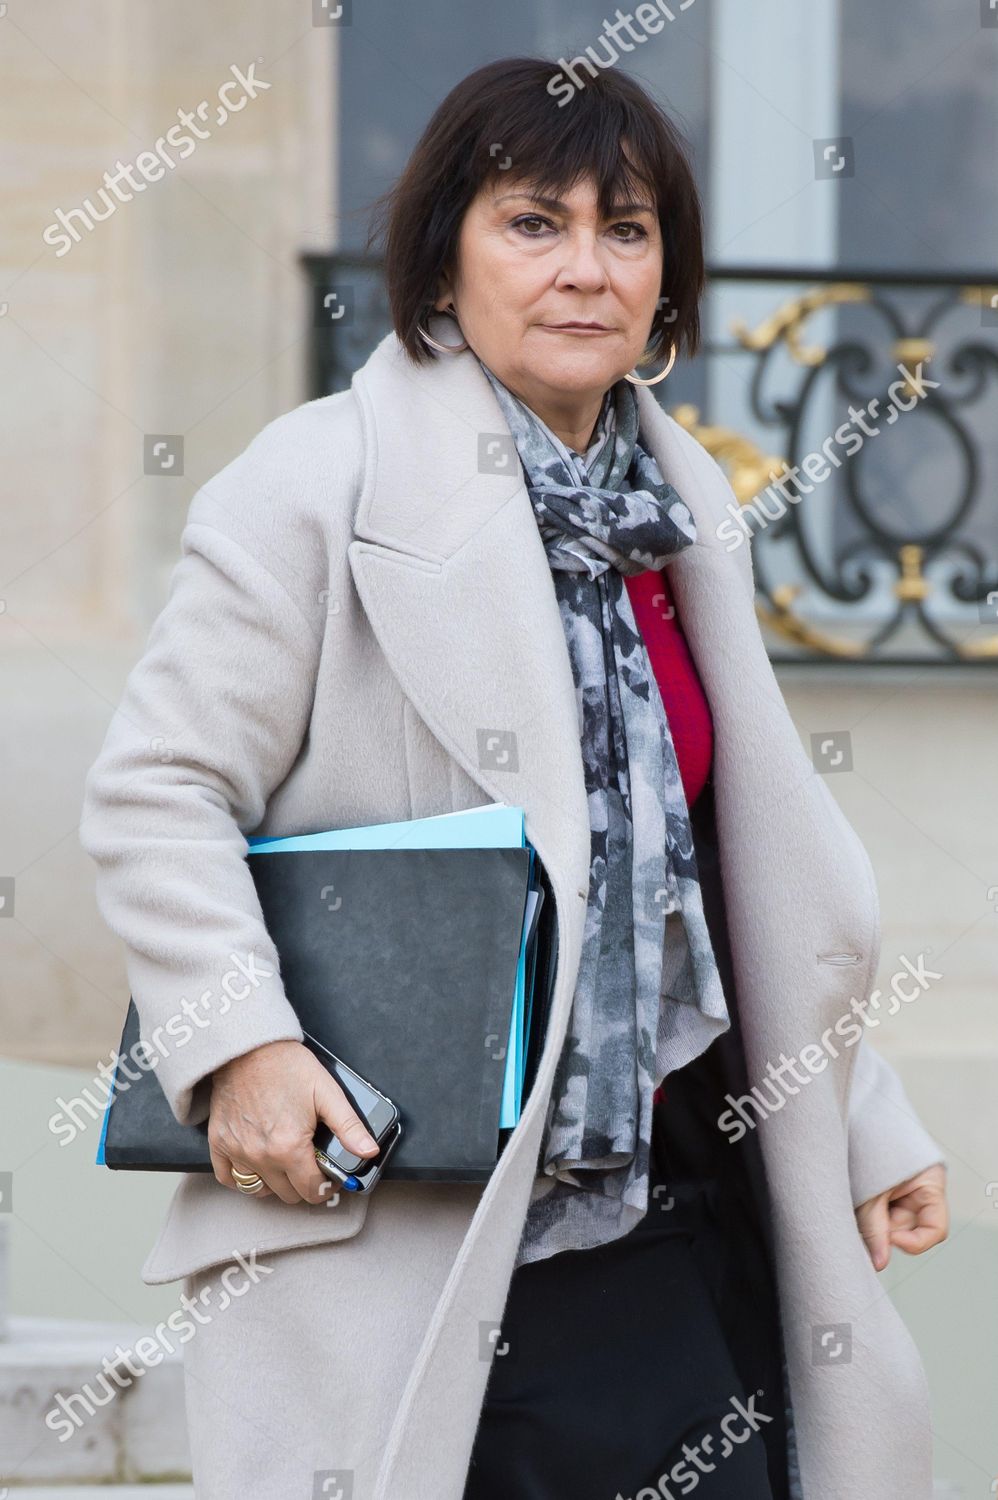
[582, 894]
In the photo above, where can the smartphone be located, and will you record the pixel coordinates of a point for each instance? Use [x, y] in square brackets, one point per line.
[357, 1174]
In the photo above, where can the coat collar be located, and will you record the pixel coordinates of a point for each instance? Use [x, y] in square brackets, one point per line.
[451, 570]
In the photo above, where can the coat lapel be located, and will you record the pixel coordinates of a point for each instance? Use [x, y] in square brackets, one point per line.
[452, 573]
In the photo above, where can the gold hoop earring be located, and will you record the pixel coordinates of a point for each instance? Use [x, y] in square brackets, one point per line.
[636, 380]
[435, 344]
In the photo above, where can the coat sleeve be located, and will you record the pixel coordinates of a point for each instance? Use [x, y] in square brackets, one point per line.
[212, 718]
[887, 1141]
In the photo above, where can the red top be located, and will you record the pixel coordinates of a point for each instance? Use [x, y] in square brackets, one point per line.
[685, 703]
[683, 698]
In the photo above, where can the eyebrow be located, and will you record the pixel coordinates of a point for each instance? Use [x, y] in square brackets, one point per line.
[555, 205]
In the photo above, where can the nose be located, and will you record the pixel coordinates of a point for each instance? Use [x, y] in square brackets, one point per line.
[582, 265]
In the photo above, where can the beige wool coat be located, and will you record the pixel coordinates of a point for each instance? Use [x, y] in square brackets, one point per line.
[362, 600]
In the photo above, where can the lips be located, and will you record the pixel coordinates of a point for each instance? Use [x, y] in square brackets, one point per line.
[577, 327]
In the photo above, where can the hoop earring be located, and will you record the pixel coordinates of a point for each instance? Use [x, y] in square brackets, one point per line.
[435, 344]
[636, 380]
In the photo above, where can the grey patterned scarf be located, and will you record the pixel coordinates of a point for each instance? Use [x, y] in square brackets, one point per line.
[648, 997]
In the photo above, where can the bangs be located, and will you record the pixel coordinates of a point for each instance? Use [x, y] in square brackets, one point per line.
[598, 138]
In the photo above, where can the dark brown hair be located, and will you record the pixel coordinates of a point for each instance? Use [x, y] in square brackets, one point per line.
[507, 112]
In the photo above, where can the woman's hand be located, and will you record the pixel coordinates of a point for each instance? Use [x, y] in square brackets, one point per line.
[265, 1108]
[913, 1215]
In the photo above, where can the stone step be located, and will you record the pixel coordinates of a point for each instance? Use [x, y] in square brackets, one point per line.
[97, 1491]
[138, 1434]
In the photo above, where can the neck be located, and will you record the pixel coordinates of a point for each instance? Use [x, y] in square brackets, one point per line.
[571, 418]
[576, 433]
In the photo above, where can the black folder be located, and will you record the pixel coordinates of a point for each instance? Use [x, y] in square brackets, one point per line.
[401, 962]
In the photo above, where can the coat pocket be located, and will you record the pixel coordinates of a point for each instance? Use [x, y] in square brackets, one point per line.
[206, 1225]
[865, 878]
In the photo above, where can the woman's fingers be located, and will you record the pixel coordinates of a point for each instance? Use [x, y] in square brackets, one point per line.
[291, 1169]
[913, 1215]
[222, 1167]
[272, 1169]
[330, 1106]
[279, 1182]
[922, 1219]
[334, 1108]
[308, 1180]
[902, 1216]
[287, 1166]
[873, 1221]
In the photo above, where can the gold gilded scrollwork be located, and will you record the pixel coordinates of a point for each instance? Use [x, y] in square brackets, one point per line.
[788, 321]
[749, 471]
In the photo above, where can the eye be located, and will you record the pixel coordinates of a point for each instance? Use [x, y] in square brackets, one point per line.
[640, 232]
[525, 219]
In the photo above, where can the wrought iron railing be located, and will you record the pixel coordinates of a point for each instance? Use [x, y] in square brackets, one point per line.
[884, 547]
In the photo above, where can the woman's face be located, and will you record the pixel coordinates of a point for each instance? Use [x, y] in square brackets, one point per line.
[528, 269]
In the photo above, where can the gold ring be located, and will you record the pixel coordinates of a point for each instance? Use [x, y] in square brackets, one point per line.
[247, 1182]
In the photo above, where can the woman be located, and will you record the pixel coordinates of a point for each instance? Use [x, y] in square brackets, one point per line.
[409, 598]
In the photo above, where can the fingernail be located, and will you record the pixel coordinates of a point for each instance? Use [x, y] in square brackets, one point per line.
[360, 1138]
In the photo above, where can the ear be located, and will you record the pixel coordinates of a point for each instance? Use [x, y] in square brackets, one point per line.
[444, 296]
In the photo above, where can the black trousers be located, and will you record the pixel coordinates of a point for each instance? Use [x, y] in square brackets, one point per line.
[652, 1365]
